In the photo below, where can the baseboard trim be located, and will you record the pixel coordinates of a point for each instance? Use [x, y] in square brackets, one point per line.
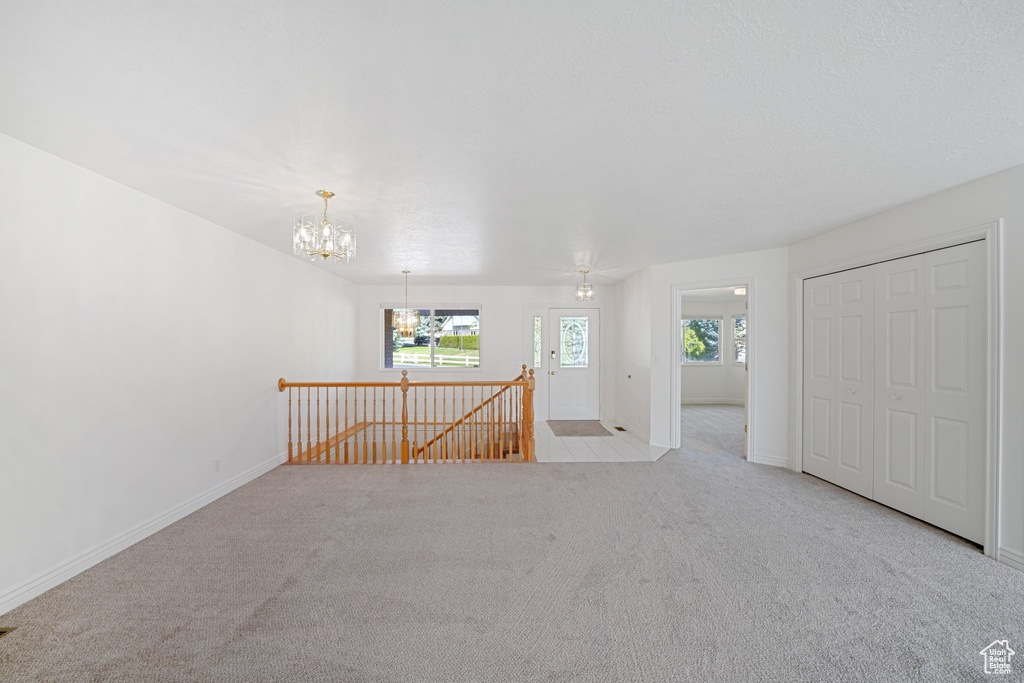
[1011, 558]
[58, 574]
[712, 401]
[660, 444]
[772, 460]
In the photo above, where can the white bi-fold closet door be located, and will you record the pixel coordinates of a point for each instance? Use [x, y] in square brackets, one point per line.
[894, 384]
[839, 378]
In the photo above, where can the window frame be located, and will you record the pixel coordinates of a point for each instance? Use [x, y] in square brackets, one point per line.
[701, 363]
[384, 307]
[746, 349]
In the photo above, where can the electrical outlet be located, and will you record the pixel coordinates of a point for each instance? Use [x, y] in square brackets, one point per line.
[216, 464]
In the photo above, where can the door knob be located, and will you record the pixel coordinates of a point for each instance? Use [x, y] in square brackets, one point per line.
[552, 372]
[894, 397]
[852, 391]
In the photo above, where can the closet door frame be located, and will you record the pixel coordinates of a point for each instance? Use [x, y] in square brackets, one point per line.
[991, 232]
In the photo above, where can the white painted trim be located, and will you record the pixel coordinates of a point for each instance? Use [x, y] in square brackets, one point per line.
[678, 289]
[1011, 558]
[58, 574]
[660, 444]
[771, 460]
[992, 232]
[711, 401]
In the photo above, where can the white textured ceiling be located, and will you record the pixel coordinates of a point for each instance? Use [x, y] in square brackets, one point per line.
[513, 142]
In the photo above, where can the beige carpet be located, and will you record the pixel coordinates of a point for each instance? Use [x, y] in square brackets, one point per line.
[563, 428]
[713, 428]
[697, 567]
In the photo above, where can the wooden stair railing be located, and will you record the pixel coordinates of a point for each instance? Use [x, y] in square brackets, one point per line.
[495, 396]
[410, 421]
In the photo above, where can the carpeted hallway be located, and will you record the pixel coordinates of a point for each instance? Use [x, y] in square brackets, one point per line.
[698, 567]
[713, 428]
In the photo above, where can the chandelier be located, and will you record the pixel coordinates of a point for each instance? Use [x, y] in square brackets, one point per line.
[406, 320]
[584, 292]
[322, 237]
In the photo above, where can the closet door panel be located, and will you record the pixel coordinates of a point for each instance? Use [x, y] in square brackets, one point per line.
[899, 396]
[854, 420]
[955, 440]
[819, 377]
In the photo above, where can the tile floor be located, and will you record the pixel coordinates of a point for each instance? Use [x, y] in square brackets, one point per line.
[620, 447]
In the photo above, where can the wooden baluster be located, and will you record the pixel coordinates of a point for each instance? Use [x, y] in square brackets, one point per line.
[309, 430]
[318, 424]
[394, 442]
[531, 452]
[346, 425]
[502, 422]
[374, 435]
[415, 423]
[433, 426]
[469, 430]
[490, 426]
[513, 410]
[327, 424]
[462, 427]
[337, 430]
[298, 421]
[289, 425]
[366, 447]
[519, 421]
[405, 418]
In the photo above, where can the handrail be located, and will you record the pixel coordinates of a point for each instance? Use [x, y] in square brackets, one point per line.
[366, 420]
[473, 411]
[282, 385]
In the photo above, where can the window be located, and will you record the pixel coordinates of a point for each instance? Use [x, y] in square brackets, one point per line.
[574, 339]
[536, 341]
[700, 337]
[739, 339]
[444, 338]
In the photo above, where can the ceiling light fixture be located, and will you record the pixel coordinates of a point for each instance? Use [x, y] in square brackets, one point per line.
[406, 320]
[584, 292]
[322, 237]
[740, 291]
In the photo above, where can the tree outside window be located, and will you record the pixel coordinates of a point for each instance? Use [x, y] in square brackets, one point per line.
[739, 339]
[701, 340]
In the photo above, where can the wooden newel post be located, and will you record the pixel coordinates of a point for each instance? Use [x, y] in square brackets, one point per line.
[405, 417]
[522, 377]
[528, 418]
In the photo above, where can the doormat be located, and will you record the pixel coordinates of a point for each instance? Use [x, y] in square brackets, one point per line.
[578, 428]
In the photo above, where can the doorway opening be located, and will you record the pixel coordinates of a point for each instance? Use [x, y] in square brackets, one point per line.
[712, 388]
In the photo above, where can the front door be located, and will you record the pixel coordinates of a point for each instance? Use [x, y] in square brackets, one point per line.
[574, 371]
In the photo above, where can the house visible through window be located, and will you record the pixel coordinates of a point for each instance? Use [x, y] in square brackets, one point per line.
[739, 339]
[701, 340]
[444, 338]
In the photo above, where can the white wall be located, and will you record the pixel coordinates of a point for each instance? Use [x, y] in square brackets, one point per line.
[505, 337]
[996, 196]
[714, 383]
[766, 272]
[139, 344]
[633, 379]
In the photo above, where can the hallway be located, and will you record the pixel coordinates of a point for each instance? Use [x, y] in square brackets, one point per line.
[713, 428]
